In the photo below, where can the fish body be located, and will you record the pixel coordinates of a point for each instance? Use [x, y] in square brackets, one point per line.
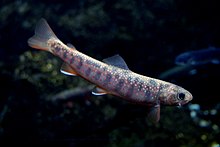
[112, 76]
[199, 57]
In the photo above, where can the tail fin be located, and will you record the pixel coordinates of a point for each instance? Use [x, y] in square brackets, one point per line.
[43, 33]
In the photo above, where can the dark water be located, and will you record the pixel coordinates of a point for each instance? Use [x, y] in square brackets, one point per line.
[40, 106]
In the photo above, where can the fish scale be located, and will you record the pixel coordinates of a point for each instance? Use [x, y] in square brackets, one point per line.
[116, 83]
[111, 76]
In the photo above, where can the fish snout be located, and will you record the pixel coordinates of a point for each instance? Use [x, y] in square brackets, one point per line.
[184, 97]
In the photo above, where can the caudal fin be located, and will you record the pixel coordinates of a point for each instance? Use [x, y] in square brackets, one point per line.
[43, 33]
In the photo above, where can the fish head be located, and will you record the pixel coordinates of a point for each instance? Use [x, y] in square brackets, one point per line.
[171, 94]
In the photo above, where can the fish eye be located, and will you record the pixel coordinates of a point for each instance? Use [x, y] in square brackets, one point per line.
[181, 96]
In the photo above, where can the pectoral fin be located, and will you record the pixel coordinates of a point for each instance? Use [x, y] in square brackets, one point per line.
[154, 113]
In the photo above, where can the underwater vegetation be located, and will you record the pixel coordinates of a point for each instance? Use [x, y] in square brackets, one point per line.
[41, 106]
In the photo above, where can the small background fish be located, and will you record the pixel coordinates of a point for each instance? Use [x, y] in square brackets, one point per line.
[147, 34]
[210, 55]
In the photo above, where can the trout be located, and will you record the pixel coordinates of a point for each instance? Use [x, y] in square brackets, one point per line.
[112, 76]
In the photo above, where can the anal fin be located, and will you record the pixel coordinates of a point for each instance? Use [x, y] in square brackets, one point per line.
[67, 70]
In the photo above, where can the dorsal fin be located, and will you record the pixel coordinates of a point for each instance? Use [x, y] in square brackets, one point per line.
[67, 70]
[117, 61]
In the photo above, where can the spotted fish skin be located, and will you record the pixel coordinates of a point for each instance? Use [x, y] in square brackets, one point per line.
[113, 80]
[111, 76]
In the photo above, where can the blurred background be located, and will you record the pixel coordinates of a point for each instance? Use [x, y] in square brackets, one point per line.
[41, 106]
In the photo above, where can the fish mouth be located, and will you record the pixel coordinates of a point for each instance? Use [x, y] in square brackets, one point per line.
[189, 98]
[183, 102]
